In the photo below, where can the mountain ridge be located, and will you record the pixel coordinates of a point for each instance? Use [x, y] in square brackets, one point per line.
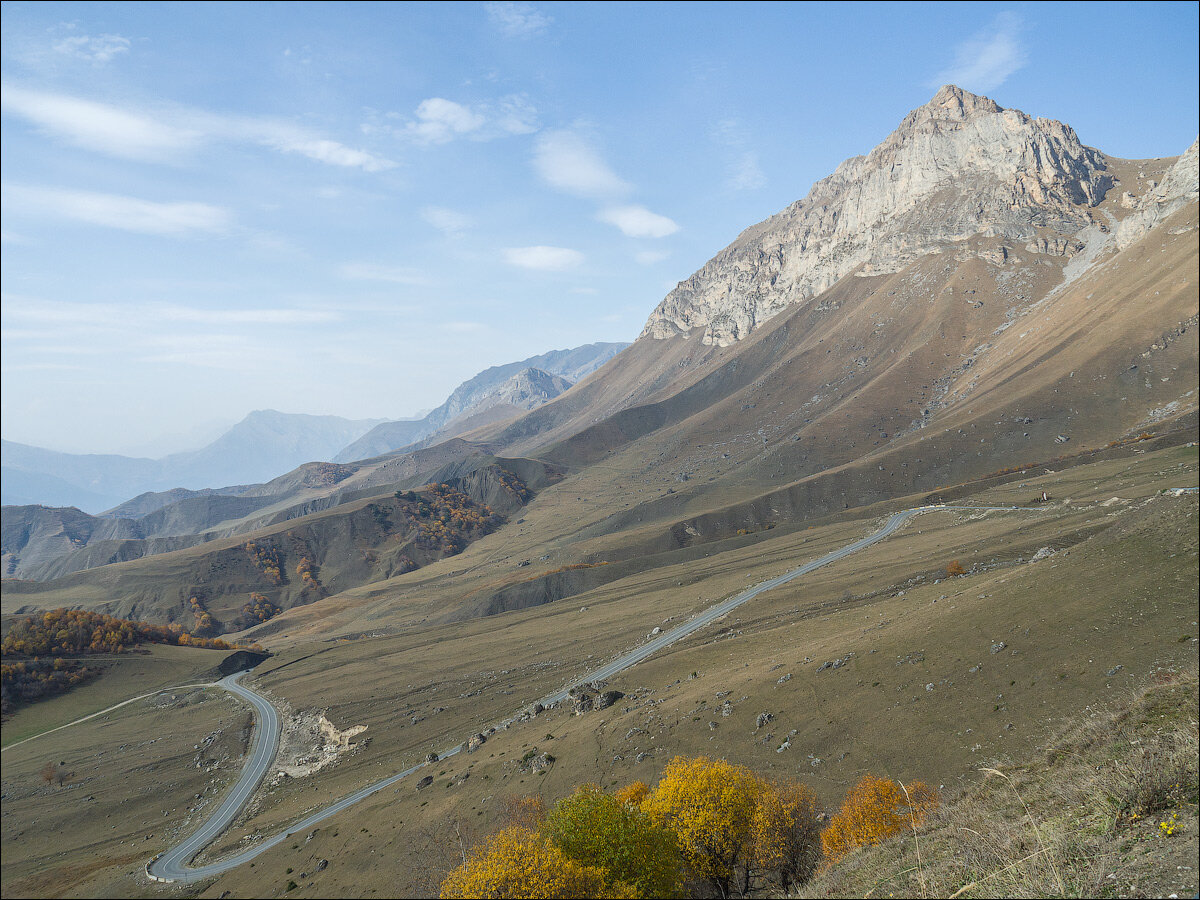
[1026, 179]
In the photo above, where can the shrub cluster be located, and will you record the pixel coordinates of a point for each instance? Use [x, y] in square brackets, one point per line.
[267, 559]
[37, 650]
[709, 828]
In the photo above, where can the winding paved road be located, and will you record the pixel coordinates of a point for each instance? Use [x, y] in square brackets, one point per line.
[173, 866]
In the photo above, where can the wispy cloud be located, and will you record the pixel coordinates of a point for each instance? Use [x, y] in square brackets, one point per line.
[117, 211]
[743, 172]
[164, 136]
[447, 221]
[637, 221]
[57, 314]
[541, 258]
[650, 257]
[517, 20]
[567, 162]
[98, 126]
[100, 48]
[361, 271]
[984, 61]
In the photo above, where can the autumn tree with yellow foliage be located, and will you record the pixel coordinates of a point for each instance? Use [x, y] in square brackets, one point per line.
[737, 829]
[521, 862]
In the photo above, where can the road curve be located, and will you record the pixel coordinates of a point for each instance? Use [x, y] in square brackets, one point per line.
[173, 866]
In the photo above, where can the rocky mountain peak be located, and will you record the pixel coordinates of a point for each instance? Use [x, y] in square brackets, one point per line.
[959, 166]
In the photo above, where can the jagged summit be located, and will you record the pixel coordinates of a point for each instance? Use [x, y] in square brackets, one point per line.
[959, 166]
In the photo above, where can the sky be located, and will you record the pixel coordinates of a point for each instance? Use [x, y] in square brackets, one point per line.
[350, 208]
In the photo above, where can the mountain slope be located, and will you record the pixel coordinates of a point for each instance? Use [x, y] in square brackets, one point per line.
[1051, 311]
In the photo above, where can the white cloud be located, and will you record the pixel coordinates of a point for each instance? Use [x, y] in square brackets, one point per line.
[650, 257]
[98, 126]
[440, 120]
[165, 136]
[517, 19]
[984, 61]
[99, 48]
[637, 221]
[360, 271]
[446, 220]
[116, 211]
[545, 259]
[325, 151]
[565, 161]
[516, 115]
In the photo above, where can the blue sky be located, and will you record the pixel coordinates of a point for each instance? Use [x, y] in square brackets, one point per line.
[348, 209]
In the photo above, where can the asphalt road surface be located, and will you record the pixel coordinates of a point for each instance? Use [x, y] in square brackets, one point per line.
[173, 865]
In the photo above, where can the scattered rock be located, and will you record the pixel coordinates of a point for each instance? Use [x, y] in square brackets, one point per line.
[998, 646]
[783, 678]
[475, 742]
[424, 782]
[835, 663]
[763, 719]
[1113, 671]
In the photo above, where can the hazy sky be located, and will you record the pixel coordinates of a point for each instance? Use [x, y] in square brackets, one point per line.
[339, 208]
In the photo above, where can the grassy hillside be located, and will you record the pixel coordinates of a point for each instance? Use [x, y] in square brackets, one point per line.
[1110, 607]
[1107, 808]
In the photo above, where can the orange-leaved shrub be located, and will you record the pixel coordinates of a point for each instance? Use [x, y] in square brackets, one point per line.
[633, 794]
[874, 809]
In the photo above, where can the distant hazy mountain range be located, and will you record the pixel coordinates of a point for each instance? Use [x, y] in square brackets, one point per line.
[496, 393]
[261, 446]
[268, 443]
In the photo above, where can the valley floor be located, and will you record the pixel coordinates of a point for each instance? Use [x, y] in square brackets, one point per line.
[879, 662]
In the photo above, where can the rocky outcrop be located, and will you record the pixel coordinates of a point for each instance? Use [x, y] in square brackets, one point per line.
[957, 167]
[1180, 186]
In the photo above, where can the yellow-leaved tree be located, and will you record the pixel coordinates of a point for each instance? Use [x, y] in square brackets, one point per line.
[735, 828]
[786, 832]
[519, 862]
[874, 809]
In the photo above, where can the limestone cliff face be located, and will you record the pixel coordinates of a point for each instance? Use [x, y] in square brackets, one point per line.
[957, 167]
[1180, 186]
